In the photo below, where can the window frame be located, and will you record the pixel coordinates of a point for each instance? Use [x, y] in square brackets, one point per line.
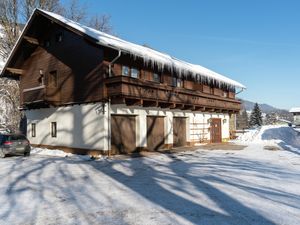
[33, 129]
[158, 76]
[59, 37]
[137, 72]
[47, 43]
[53, 80]
[53, 129]
[225, 94]
[123, 69]
[177, 82]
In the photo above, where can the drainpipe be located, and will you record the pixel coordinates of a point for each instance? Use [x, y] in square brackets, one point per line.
[240, 91]
[112, 62]
[109, 104]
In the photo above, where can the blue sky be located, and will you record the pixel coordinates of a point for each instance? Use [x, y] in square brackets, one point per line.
[254, 42]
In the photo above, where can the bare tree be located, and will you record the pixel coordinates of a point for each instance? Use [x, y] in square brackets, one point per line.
[28, 6]
[75, 11]
[9, 103]
[14, 12]
[9, 11]
[101, 22]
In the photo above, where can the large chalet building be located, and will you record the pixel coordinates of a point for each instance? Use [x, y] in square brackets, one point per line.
[88, 92]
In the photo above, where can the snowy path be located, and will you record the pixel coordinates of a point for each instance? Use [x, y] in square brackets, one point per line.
[252, 186]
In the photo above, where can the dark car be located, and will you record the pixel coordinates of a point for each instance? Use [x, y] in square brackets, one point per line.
[14, 144]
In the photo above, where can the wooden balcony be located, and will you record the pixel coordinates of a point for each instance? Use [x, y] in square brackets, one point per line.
[132, 91]
[39, 97]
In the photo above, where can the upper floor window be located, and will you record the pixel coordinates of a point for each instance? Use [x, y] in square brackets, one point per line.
[156, 77]
[225, 94]
[47, 43]
[125, 71]
[177, 82]
[41, 77]
[53, 80]
[135, 73]
[59, 37]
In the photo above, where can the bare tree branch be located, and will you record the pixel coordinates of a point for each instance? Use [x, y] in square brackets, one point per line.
[101, 22]
[75, 11]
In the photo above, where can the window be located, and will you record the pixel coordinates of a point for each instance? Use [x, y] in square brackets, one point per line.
[47, 43]
[52, 79]
[179, 83]
[135, 73]
[176, 82]
[33, 130]
[53, 129]
[225, 94]
[59, 37]
[156, 77]
[125, 70]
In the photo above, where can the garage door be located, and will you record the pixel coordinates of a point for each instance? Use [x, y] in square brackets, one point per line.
[123, 134]
[216, 131]
[155, 132]
[179, 131]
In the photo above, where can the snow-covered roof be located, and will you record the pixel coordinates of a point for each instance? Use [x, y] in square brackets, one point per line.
[149, 56]
[295, 110]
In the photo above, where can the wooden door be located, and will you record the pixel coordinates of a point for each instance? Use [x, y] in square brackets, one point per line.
[155, 133]
[179, 131]
[123, 134]
[216, 131]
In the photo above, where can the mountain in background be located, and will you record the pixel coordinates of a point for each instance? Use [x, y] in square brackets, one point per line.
[267, 109]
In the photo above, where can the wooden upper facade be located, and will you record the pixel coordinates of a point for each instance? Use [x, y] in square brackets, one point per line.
[59, 66]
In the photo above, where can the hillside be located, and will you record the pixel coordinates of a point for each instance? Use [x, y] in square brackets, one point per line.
[265, 108]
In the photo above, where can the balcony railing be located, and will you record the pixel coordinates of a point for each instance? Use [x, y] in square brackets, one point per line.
[40, 95]
[34, 95]
[127, 88]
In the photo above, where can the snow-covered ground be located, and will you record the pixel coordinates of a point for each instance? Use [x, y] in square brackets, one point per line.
[250, 186]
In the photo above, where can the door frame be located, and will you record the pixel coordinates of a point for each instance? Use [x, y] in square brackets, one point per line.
[212, 136]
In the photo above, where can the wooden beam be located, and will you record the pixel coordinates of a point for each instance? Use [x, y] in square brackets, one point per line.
[131, 101]
[165, 105]
[172, 106]
[189, 107]
[147, 103]
[31, 40]
[118, 100]
[15, 70]
[179, 106]
[202, 109]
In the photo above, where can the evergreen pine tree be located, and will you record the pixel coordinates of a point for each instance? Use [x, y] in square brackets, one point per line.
[255, 117]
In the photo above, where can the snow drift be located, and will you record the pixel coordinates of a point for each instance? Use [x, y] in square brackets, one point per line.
[284, 136]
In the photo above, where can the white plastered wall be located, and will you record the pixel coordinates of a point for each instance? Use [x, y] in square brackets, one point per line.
[78, 126]
[88, 126]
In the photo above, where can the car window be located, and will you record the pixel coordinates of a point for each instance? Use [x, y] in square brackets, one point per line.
[3, 138]
[14, 138]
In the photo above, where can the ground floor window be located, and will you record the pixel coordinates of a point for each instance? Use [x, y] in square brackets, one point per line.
[53, 129]
[33, 130]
